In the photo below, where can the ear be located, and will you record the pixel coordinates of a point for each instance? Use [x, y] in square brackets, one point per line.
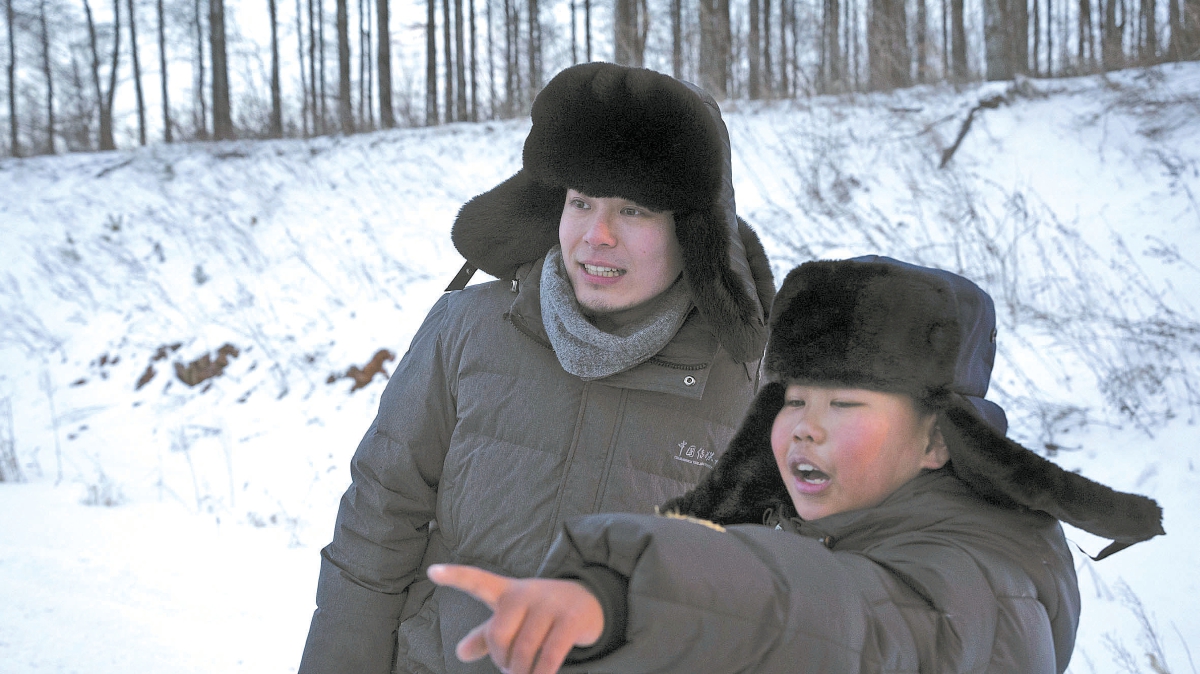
[936, 452]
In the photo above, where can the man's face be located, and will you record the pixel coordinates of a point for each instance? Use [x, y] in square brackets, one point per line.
[618, 255]
[842, 449]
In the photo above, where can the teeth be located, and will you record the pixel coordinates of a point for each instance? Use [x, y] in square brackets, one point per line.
[602, 271]
[810, 474]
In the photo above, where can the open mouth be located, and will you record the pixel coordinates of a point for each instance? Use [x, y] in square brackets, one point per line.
[809, 473]
[605, 272]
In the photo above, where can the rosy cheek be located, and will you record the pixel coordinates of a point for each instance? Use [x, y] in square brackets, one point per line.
[781, 437]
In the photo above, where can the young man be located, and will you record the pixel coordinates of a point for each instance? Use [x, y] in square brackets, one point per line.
[904, 531]
[602, 372]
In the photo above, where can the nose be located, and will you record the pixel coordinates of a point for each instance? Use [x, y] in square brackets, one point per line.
[600, 233]
[808, 428]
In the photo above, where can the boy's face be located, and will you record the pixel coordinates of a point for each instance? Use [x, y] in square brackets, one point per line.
[618, 255]
[841, 449]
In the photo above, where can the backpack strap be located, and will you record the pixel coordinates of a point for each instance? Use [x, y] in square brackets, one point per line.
[463, 277]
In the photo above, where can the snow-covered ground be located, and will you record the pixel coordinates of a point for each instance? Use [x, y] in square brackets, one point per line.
[166, 528]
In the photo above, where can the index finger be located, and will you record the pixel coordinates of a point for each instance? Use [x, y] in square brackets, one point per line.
[483, 585]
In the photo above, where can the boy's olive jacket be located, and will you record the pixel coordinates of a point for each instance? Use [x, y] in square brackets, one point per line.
[931, 580]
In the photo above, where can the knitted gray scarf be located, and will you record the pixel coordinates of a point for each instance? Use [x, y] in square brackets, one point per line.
[591, 353]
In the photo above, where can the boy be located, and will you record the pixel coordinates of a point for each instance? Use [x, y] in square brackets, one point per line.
[905, 532]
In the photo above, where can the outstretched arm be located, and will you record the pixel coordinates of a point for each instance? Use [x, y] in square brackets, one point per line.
[535, 621]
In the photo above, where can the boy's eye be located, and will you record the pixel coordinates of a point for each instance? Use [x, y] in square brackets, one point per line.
[578, 203]
[631, 211]
[793, 403]
[845, 403]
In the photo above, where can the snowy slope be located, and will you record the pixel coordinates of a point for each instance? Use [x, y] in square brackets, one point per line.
[1076, 203]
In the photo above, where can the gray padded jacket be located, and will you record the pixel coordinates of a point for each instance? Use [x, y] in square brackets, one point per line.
[931, 580]
[482, 448]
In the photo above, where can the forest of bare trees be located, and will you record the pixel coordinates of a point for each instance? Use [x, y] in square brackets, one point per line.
[80, 74]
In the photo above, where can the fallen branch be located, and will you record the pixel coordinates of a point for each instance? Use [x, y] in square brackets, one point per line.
[989, 103]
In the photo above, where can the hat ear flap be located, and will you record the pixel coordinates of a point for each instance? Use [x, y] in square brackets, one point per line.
[511, 224]
[746, 481]
[1006, 473]
[718, 292]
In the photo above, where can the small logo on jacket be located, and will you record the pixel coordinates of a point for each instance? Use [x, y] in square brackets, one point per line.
[697, 456]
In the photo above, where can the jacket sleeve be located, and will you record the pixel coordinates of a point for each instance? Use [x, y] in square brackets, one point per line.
[382, 527]
[750, 598]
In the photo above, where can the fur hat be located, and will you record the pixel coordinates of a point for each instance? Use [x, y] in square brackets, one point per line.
[885, 325]
[614, 131]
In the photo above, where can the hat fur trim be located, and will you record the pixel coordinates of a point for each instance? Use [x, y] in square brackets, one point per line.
[867, 325]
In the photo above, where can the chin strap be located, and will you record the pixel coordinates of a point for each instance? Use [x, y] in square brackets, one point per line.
[463, 277]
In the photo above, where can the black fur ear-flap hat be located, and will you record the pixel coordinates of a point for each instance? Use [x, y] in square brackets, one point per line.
[877, 323]
[615, 131]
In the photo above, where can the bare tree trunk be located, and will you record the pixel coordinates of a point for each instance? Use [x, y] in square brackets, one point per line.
[201, 102]
[322, 80]
[1087, 46]
[1175, 22]
[677, 39]
[384, 38]
[510, 67]
[13, 127]
[1149, 12]
[304, 95]
[222, 120]
[345, 106]
[363, 49]
[1001, 23]
[104, 101]
[587, 28]
[1190, 29]
[958, 42]
[162, 67]
[922, 39]
[768, 74]
[574, 37]
[276, 96]
[786, 11]
[313, 92]
[754, 48]
[48, 72]
[945, 40]
[491, 58]
[1037, 38]
[368, 49]
[832, 70]
[1111, 38]
[474, 67]
[460, 64]
[887, 45]
[625, 31]
[137, 74]
[431, 109]
[716, 44]
[1049, 38]
[449, 61]
[535, 49]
